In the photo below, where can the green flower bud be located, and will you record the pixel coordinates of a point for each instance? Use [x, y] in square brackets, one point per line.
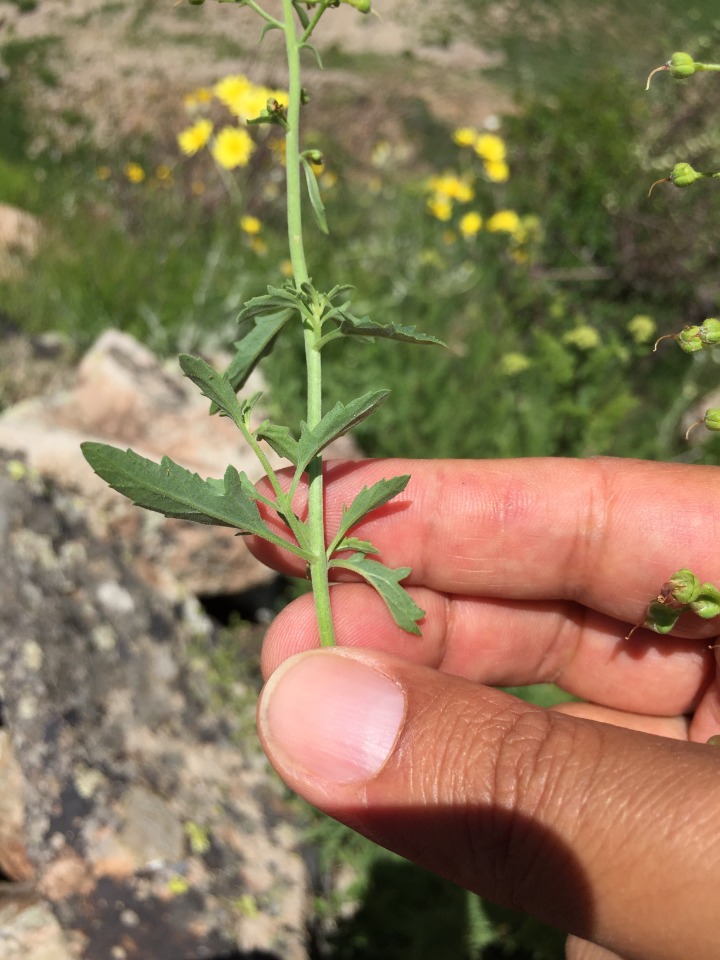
[683, 586]
[683, 175]
[315, 157]
[710, 331]
[712, 419]
[707, 604]
[689, 339]
[681, 66]
[661, 617]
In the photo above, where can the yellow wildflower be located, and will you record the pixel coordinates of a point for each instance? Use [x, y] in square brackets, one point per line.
[453, 187]
[470, 224]
[490, 147]
[642, 328]
[163, 172]
[231, 88]
[198, 187]
[250, 224]
[497, 171]
[244, 99]
[134, 172]
[504, 221]
[465, 136]
[286, 268]
[232, 148]
[514, 363]
[194, 138]
[197, 98]
[449, 237]
[441, 208]
[584, 337]
[259, 246]
[103, 172]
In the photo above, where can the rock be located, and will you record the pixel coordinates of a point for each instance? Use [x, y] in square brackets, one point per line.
[124, 396]
[142, 819]
[19, 238]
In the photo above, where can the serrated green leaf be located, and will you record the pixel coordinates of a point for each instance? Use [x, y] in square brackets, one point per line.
[365, 327]
[255, 345]
[235, 479]
[171, 489]
[280, 439]
[403, 609]
[368, 499]
[214, 386]
[318, 207]
[335, 423]
[175, 492]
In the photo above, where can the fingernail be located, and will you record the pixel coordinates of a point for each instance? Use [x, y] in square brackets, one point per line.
[332, 715]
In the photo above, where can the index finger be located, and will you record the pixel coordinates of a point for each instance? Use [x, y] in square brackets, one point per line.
[605, 533]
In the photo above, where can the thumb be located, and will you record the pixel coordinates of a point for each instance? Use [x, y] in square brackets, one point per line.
[592, 828]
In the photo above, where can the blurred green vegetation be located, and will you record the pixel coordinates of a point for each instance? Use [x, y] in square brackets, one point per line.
[544, 355]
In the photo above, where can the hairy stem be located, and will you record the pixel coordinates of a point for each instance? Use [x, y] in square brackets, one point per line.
[318, 564]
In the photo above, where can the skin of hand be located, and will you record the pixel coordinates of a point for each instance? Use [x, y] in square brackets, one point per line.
[596, 817]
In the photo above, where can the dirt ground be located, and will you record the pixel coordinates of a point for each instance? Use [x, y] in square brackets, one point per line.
[124, 66]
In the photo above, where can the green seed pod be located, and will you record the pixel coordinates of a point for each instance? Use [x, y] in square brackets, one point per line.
[710, 331]
[713, 741]
[707, 603]
[683, 175]
[681, 66]
[684, 586]
[712, 419]
[689, 339]
[661, 617]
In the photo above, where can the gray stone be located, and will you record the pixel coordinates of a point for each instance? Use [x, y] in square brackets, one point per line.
[124, 396]
[138, 817]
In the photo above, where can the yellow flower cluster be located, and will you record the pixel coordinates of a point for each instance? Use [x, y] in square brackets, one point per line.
[134, 173]
[489, 147]
[446, 190]
[244, 99]
[232, 146]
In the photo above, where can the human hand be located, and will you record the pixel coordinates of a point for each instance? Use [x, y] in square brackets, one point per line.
[529, 571]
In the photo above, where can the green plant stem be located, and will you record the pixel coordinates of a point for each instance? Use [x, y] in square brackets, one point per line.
[318, 564]
[263, 13]
[282, 503]
[313, 23]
